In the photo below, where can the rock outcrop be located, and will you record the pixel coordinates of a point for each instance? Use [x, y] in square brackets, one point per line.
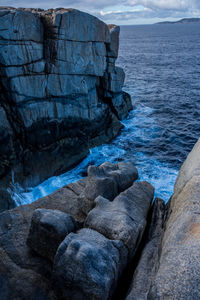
[169, 266]
[178, 276]
[60, 92]
[89, 261]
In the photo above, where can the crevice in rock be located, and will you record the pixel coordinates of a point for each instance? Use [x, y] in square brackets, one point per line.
[126, 278]
[106, 100]
[49, 41]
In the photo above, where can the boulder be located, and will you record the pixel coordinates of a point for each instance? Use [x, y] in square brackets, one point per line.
[107, 180]
[87, 266]
[124, 218]
[48, 229]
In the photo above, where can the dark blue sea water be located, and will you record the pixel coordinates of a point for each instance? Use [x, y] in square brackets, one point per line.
[162, 65]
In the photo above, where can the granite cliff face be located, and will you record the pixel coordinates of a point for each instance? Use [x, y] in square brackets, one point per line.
[60, 91]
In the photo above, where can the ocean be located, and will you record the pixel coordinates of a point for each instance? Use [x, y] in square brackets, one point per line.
[162, 66]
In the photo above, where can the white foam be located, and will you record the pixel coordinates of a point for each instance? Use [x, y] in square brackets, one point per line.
[139, 126]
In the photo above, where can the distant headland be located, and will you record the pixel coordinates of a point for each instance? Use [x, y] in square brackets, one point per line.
[182, 21]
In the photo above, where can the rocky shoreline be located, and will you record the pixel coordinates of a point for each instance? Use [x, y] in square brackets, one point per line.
[103, 237]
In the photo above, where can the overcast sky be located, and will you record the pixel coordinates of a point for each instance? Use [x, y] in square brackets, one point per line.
[124, 11]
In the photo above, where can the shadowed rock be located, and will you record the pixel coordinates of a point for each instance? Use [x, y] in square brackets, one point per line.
[48, 229]
[145, 272]
[71, 56]
[124, 218]
[87, 266]
[23, 273]
[107, 180]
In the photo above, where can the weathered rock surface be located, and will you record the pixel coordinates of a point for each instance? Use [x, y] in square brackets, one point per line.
[178, 276]
[107, 180]
[28, 274]
[87, 265]
[23, 273]
[60, 92]
[147, 267]
[48, 229]
[124, 218]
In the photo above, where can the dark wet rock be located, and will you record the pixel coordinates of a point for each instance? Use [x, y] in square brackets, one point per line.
[48, 229]
[87, 266]
[23, 273]
[107, 180]
[6, 202]
[125, 217]
[71, 56]
[147, 267]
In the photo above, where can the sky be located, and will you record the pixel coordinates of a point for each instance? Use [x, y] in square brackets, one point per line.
[124, 12]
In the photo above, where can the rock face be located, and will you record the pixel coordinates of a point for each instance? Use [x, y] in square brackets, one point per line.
[169, 266]
[107, 180]
[178, 276]
[87, 265]
[60, 92]
[124, 218]
[48, 229]
[148, 264]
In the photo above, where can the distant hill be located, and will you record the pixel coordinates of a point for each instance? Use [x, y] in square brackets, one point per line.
[182, 21]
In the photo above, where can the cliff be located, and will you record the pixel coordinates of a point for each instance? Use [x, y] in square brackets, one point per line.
[60, 91]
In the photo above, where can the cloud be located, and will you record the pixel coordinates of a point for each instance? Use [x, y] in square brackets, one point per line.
[120, 9]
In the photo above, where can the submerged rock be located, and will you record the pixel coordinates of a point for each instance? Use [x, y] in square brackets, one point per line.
[70, 56]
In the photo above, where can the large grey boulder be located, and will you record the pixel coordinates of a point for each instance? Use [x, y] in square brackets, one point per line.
[87, 266]
[178, 276]
[107, 180]
[124, 218]
[70, 56]
[48, 229]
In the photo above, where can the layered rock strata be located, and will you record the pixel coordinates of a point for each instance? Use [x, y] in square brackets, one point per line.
[60, 91]
[88, 263]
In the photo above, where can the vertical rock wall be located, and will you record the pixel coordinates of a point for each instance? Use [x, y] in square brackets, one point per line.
[60, 92]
